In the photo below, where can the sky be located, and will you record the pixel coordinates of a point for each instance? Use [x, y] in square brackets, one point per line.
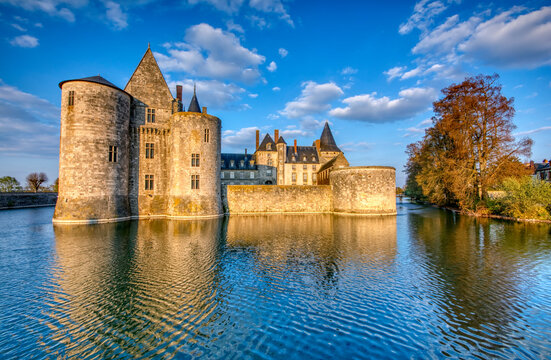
[372, 69]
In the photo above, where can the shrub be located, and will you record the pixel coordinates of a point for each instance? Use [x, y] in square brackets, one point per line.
[526, 198]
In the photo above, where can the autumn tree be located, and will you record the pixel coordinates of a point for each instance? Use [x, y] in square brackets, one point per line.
[470, 146]
[35, 180]
[9, 183]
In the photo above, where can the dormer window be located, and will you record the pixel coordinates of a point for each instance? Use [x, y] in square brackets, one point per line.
[232, 163]
[304, 158]
[294, 158]
[268, 146]
[313, 158]
[242, 164]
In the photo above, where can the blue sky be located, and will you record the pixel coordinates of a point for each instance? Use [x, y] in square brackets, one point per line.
[372, 69]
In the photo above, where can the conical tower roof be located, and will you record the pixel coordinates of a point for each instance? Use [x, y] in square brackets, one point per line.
[194, 104]
[327, 142]
[94, 79]
[281, 140]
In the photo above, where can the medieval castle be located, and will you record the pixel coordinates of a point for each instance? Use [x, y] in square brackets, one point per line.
[137, 153]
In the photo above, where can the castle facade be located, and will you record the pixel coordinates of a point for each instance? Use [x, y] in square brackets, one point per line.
[134, 152]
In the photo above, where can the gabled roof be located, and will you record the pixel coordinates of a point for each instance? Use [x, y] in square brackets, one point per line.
[309, 151]
[267, 140]
[327, 142]
[281, 140]
[95, 79]
[194, 104]
[237, 158]
[340, 158]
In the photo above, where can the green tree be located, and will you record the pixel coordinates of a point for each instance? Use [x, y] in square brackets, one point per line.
[470, 147]
[525, 198]
[8, 183]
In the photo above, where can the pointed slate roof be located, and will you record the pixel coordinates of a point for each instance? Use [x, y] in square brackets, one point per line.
[95, 79]
[327, 142]
[281, 140]
[194, 104]
[267, 140]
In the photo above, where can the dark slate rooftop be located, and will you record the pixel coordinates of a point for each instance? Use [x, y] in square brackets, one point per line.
[281, 140]
[267, 140]
[327, 142]
[302, 151]
[328, 164]
[237, 158]
[194, 104]
[95, 79]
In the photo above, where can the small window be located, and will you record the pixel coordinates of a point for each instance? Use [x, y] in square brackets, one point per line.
[252, 174]
[207, 135]
[268, 146]
[305, 178]
[195, 182]
[112, 153]
[221, 175]
[313, 167]
[314, 178]
[149, 150]
[304, 158]
[304, 167]
[232, 163]
[232, 175]
[313, 159]
[294, 177]
[71, 98]
[294, 159]
[150, 115]
[149, 182]
[294, 167]
[270, 162]
[242, 163]
[194, 160]
[269, 172]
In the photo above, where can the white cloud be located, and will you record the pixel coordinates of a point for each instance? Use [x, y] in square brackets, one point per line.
[423, 15]
[395, 72]
[28, 124]
[417, 129]
[231, 26]
[276, 88]
[349, 71]
[311, 124]
[509, 41]
[25, 41]
[272, 67]
[369, 108]
[411, 73]
[259, 22]
[283, 52]
[38, 25]
[210, 93]
[50, 7]
[228, 6]
[533, 131]
[265, 6]
[314, 98]
[18, 27]
[253, 96]
[356, 146]
[272, 116]
[272, 6]
[240, 139]
[212, 52]
[116, 15]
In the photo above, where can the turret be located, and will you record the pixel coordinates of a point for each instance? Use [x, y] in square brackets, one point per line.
[281, 146]
[94, 151]
[327, 148]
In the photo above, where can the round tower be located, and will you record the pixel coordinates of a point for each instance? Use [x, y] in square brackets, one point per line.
[194, 183]
[367, 190]
[93, 152]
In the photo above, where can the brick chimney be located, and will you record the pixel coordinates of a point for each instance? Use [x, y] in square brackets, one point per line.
[276, 135]
[257, 138]
[245, 151]
[295, 146]
[318, 145]
[179, 92]
[204, 109]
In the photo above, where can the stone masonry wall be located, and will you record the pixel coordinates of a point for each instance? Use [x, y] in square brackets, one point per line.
[14, 200]
[244, 199]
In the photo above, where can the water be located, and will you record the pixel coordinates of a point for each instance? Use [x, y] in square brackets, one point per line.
[424, 284]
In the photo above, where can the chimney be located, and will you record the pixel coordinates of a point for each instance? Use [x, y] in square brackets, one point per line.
[245, 151]
[295, 146]
[204, 109]
[276, 135]
[257, 138]
[179, 92]
[318, 145]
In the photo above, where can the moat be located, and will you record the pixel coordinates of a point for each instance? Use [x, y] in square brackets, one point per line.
[426, 283]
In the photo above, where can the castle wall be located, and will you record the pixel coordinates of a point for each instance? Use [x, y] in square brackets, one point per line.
[369, 190]
[91, 187]
[244, 199]
[187, 138]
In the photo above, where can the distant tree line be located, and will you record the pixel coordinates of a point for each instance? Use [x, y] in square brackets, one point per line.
[35, 182]
[469, 150]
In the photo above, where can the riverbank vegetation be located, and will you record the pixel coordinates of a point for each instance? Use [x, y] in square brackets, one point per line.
[470, 150]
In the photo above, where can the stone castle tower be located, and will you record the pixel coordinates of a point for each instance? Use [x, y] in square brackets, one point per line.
[135, 153]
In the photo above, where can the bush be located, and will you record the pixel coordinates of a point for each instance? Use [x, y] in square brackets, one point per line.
[526, 198]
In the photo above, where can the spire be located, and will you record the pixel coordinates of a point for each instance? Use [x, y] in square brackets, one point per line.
[194, 104]
[327, 142]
